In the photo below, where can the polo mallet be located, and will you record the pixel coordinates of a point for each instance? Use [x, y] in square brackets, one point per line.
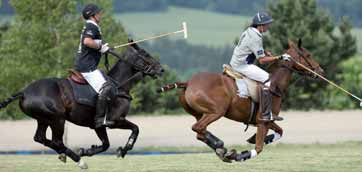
[330, 82]
[184, 30]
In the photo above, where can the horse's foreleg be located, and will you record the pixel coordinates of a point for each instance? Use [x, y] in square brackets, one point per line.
[260, 136]
[271, 137]
[125, 124]
[275, 136]
[95, 149]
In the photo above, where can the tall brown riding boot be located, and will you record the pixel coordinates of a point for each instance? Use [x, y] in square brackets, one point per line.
[266, 106]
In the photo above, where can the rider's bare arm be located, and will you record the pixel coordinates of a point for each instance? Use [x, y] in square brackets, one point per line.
[89, 42]
[266, 59]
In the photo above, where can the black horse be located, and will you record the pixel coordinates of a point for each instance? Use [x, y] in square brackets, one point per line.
[51, 102]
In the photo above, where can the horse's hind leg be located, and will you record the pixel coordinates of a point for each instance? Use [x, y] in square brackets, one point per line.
[95, 149]
[40, 134]
[57, 141]
[58, 145]
[207, 137]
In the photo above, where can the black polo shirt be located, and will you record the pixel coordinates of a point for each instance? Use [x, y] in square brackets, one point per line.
[88, 58]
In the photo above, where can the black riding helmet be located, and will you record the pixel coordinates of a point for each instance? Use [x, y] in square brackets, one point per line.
[261, 18]
[90, 10]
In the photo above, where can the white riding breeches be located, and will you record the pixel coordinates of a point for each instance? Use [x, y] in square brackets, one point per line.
[95, 79]
[253, 72]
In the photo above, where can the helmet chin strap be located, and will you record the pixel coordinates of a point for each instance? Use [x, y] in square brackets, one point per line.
[261, 29]
[96, 19]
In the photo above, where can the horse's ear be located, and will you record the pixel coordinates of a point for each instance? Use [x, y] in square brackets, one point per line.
[135, 46]
[290, 43]
[300, 43]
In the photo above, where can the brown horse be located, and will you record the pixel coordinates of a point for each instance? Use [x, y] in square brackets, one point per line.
[210, 96]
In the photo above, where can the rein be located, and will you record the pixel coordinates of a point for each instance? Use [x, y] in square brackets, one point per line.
[143, 69]
[120, 85]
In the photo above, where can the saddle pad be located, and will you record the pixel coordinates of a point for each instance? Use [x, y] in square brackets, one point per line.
[228, 70]
[84, 94]
[247, 88]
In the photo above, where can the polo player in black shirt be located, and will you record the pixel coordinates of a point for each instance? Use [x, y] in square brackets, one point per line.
[89, 54]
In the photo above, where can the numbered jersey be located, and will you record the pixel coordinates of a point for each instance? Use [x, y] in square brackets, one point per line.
[249, 48]
[87, 58]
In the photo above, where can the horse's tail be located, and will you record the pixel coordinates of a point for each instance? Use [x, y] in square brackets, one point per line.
[168, 87]
[11, 99]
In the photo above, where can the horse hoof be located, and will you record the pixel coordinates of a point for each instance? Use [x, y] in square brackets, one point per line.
[231, 155]
[82, 165]
[62, 157]
[220, 152]
[252, 139]
[121, 152]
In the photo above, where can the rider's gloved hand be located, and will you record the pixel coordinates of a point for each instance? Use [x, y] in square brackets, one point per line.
[104, 48]
[285, 57]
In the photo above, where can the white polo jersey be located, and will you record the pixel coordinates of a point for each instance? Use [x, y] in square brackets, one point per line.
[249, 48]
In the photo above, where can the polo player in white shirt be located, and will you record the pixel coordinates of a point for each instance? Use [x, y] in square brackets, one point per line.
[249, 49]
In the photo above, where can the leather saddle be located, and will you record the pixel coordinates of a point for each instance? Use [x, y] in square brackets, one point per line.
[77, 77]
[83, 93]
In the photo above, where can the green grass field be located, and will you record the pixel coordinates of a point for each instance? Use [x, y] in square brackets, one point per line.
[341, 157]
[204, 27]
[207, 28]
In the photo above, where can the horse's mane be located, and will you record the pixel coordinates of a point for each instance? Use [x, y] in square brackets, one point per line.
[273, 66]
[114, 67]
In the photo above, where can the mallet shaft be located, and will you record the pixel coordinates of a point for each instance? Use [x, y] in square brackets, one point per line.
[146, 39]
[330, 82]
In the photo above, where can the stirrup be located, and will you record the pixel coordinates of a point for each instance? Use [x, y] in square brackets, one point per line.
[103, 123]
[272, 118]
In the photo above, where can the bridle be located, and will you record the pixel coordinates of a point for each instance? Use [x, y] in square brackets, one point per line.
[300, 56]
[147, 64]
[145, 69]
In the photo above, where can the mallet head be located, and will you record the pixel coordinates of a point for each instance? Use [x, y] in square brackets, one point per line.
[184, 26]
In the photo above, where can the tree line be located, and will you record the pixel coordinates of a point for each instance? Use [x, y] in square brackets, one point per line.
[42, 42]
[46, 48]
[337, 8]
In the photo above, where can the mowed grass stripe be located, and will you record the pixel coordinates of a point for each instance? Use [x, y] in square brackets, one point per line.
[282, 158]
[207, 28]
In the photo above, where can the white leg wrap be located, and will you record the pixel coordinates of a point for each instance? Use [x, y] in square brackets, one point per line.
[277, 136]
[82, 164]
[253, 153]
[267, 84]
